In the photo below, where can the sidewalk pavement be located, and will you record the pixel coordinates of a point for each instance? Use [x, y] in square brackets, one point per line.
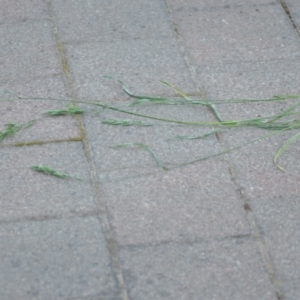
[224, 228]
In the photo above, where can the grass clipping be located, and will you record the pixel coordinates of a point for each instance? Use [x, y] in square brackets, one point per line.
[285, 121]
[49, 171]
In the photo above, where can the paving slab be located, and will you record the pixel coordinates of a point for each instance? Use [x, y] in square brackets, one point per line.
[110, 21]
[133, 41]
[21, 11]
[136, 63]
[213, 35]
[183, 205]
[45, 128]
[55, 259]
[27, 194]
[261, 80]
[225, 269]
[250, 80]
[28, 50]
[170, 234]
[31, 67]
[278, 219]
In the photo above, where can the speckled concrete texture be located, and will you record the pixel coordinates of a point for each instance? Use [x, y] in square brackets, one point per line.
[223, 32]
[136, 62]
[55, 259]
[224, 269]
[132, 40]
[26, 193]
[182, 205]
[153, 219]
[278, 218]
[259, 64]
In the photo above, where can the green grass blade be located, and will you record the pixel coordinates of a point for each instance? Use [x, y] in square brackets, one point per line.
[29, 124]
[178, 90]
[49, 171]
[186, 137]
[292, 140]
[231, 149]
[149, 149]
[165, 101]
[124, 122]
[71, 110]
[284, 113]
[143, 146]
[186, 97]
[127, 91]
[12, 128]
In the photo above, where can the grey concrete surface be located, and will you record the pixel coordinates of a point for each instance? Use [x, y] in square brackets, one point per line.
[55, 259]
[278, 218]
[220, 269]
[223, 228]
[179, 205]
[28, 194]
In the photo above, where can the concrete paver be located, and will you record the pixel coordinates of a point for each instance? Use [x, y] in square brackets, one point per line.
[23, 10]
[21, 112]
[135, 61]
[223, 269]
[217, 35]
[133, 40]
[110, 21]
[24, 55]
[255, 71]
[225, 228]
[26, 193]
[55, 259]
[183, 205]
[253, 80]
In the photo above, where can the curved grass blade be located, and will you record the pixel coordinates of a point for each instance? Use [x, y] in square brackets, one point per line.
[292, 140]
[47, 170]
[143, 146]
[145, 98]
[186, 97]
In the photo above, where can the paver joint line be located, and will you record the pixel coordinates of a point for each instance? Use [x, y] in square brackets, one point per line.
[287, 11]
[262, 246]
[112, 246]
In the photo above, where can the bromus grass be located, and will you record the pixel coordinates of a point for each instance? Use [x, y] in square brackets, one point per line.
[277, 123]
[12, 128]
[71, 110]
[49, 171]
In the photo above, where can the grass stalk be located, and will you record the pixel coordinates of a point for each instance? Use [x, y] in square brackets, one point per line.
[49, 171]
